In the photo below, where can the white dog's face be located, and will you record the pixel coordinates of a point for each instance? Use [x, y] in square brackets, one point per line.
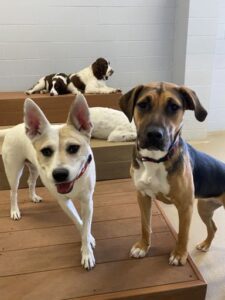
[61, 150]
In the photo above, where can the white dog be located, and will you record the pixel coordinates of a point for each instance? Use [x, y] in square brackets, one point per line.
[112, 125]
[92, 79]
[62, 156]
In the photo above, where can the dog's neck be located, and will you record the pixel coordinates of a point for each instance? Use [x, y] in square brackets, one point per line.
[168, 155]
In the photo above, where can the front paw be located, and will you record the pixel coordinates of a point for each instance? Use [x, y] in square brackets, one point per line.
[15, 214]
[139, 249]
[87, 259]
[178, 258]
[35, 198]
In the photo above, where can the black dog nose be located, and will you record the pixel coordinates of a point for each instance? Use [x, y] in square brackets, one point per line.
[155, 133]
[60, 174]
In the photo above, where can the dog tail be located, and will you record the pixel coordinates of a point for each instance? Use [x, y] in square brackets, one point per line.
[3, 133]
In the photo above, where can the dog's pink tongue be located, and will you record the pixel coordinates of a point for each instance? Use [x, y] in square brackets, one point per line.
[64, 188]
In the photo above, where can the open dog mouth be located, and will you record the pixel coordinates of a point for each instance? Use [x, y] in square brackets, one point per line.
[65, 187]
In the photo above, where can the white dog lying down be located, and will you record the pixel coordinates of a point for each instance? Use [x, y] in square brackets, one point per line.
[112, 125]
[62, 156]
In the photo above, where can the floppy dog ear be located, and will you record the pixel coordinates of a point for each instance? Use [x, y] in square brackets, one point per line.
[79, 115]
[128, 101]
[192, 102]
[34, 119]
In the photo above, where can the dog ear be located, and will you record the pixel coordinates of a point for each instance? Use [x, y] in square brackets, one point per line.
[127, 101]
[34, 119]
[192, 102]
[79, 115]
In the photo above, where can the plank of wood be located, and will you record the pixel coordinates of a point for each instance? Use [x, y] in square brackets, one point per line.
[194, 290]
[55, 108]
[40, 255]
[100, 199]
[68, 255]
[52, 218]
[76, 282]
[41, 237]
[112, 186]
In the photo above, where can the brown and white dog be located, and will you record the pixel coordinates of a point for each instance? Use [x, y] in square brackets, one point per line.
[92, 79]
[166, 168]
[55, 84]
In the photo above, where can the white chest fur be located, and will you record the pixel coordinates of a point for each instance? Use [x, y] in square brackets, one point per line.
[151, 179]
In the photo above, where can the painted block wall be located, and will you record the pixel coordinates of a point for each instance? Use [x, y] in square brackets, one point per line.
[217, 102]
[41, 37]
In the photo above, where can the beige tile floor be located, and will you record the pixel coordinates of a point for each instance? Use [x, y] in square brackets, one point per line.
[211, 263]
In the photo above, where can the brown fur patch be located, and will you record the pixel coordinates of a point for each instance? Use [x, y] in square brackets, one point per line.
[78, 83]
[99, 68]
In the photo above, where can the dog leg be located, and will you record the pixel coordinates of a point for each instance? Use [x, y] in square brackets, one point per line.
[40, 85]
[179, 254]
[206, 208]
[13, 173]
[88, 241]
[141, 248]
[32, 183]
[70, 210]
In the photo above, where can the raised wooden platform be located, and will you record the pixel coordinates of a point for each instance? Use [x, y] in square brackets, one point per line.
[112, 162]
[40, 254]
[55, 107]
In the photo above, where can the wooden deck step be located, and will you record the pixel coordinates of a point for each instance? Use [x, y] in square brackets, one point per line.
[55, 107]
[40, 254]
[112, 162]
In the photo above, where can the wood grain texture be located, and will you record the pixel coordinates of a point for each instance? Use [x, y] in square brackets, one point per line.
[40, 254]
[56, 108]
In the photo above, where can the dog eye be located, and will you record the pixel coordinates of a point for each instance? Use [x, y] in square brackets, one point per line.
[72, 149]
[47, 152]
[144, 105]
[172, 107]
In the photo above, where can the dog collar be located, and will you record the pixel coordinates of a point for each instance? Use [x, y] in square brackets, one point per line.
[84, 167]
[169, 154]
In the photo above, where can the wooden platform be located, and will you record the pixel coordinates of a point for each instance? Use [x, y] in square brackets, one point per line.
[112, 162]
[55, 107]
[40, 254]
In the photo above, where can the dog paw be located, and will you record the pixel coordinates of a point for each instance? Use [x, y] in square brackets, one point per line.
[92, 241]
[28, 92]
[88, 259]
[178, 259]
[43, 92]
[139, 250]
[204, 246]
[36, 198]
[15, 214]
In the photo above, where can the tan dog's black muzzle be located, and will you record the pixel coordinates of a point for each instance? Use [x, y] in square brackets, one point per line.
[153, 138]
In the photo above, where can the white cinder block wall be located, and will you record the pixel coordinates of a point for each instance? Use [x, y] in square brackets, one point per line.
[199, 57]
[217, 101]
[145, 40]
[41, 37]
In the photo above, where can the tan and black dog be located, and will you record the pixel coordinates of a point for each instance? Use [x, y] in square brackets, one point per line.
[166, 168]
